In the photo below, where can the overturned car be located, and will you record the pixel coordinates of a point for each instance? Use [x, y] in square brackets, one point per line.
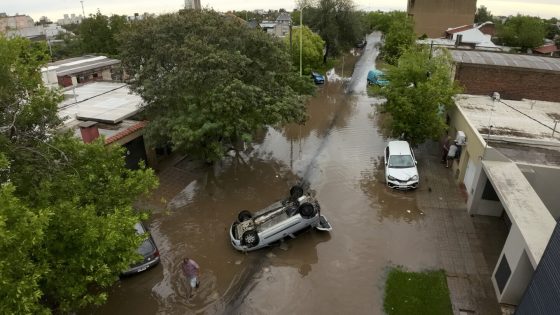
[277, 221]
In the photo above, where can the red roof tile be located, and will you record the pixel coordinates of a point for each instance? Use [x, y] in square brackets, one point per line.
[130, 130]
[547, 49]
[460, 29]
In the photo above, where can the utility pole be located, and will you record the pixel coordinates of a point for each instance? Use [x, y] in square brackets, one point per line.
[83, 12]
[301, 42]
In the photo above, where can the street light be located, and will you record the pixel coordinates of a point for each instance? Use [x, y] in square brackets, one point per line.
[301, 41]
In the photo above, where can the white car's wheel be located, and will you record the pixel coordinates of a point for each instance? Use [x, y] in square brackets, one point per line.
[250, 238]
[307, 210]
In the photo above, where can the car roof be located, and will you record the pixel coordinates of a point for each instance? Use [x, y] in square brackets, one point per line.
[140, 229]
[399, 148]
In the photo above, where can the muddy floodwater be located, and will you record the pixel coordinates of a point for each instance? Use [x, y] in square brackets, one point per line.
[338, 152]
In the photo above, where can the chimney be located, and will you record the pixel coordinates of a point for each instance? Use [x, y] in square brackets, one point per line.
[89, 131]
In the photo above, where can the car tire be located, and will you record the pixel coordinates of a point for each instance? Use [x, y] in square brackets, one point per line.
[244, 215]
[307, 210]
[296, 192]
[250, 238]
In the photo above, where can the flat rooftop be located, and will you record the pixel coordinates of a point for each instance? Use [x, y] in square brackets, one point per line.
[105, 102]
[80, 64]
[506, 60]
[526, 122]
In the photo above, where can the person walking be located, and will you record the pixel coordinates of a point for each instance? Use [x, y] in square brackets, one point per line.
[191, 271]
[451, 153]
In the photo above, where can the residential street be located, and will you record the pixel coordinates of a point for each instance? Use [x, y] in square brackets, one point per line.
[339, 152]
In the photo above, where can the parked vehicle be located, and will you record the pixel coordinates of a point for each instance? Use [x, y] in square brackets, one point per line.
[147, 249]
[277, 221]
[400, 166]
[377, 77]
[317, 77]
[361, 44]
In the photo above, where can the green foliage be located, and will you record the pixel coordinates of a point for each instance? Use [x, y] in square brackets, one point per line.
[338, 23]
[98, 33]
[398, 39]
[420, 89]
[522, 31]
[66, 217]
[312, 52]
[483, 15]
[209, 81]
[382, 21]
[421, 293]
[21, 236]
[552, 30]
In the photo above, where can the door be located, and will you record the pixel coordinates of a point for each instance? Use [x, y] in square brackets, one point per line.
[469, 174]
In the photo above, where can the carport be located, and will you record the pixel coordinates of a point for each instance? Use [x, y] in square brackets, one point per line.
[503, 190]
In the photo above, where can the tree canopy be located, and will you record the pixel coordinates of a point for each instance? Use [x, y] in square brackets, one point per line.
[522, 31]
[208, 81]
[420, 89]
[66, 216]
[399, 38]
[337, 21]
[483, 15]
[312, 52]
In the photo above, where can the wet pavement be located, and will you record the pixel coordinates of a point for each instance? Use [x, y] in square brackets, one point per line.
[338, 152]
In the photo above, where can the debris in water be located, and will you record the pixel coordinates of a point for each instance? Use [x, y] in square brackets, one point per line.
[266, 269]
[440, 198]
[408, 211]
[238, 262]
[270, 255]
[283, 246]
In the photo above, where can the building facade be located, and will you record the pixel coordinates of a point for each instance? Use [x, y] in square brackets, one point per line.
[192, 4]
[15, 22]
[433, 17]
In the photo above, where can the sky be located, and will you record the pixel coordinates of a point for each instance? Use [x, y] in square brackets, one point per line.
[55, 9]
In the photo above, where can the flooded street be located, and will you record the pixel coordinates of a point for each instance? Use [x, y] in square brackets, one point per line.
[338, 152]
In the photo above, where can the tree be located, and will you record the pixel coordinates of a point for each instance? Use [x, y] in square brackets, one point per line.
[399, 38]
[522, 31]
[483, 15]
[209, 82]
[420, 89]
[381, 21]
[98, 32]
[312, 53]
[66, 216]
[338, 23]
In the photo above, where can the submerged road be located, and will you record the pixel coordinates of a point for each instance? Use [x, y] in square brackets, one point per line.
[339, 153]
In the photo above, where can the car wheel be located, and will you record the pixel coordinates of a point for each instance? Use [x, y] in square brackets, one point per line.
[307, 210]
[244, 215]
[250, 238]
[296, 192]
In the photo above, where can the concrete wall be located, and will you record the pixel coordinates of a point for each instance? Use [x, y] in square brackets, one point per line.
[511, 83]
[520, 265]
[545, 180]
[433, 17]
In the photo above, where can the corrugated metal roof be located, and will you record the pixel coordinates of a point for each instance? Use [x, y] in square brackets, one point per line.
[80, 64]
[506, 60]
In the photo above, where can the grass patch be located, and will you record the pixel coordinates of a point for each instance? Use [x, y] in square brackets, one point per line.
[417, 293]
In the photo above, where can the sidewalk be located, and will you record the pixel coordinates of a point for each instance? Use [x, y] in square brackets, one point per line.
[468, 247]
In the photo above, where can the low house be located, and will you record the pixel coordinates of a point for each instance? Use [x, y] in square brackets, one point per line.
[548, 50]
[108, 109]
[280, 27]
[514, 76]
[472, 35]
[74, 71]
[509, 167]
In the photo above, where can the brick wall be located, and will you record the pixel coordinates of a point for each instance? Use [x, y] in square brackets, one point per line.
[511, 83]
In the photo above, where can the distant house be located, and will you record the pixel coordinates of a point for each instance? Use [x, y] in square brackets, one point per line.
[80, 70]
[548, 49]
[472, 35]
[432, 16]
[280, 27]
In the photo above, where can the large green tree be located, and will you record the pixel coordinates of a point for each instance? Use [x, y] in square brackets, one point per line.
[399, 38]
[483, 15]
[209, 82]
[337, 21]
[522, 31]
[66, 216]
[420, 89]
[312, 52]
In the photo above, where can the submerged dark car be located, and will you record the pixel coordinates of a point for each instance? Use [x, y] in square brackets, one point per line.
[361, 44]
[147, 249]
[317, 77]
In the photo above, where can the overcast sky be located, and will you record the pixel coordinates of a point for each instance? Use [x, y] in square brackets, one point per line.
[54, 9]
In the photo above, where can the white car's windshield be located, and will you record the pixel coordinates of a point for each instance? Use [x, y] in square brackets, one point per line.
[400, 161]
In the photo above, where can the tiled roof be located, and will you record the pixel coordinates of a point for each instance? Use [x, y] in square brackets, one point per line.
[547, 49]
[130, 130]
[459, 29]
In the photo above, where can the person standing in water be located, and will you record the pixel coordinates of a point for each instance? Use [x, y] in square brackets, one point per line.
[191, 270]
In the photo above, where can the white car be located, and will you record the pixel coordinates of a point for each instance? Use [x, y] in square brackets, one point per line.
[400, 166]
[277, 221]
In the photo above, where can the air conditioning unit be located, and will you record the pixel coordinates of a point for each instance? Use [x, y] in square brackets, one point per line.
[461, 139]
